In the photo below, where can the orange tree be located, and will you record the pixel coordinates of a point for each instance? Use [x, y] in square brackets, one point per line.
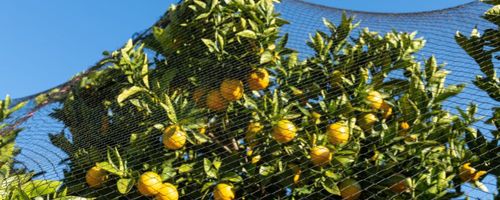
[17, 183]
[225, 110]
[483, 49]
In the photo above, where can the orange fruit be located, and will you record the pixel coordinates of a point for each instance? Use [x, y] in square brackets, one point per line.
[215, 101]
[95, 177]
[149, 184]
[284, 131]
[468, 173]
[256, 159]
[398, 184]
[338, 133]
[350, 189]
[173, 137]
[366, 121]
[386, 110]
[223, 191]
[375, 99]
[198, 93]
[258, 79]
[320, 155]
[404, 126]
[167, 192]
[231, 89]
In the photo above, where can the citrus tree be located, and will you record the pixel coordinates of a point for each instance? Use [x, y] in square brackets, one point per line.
[214, 105]
[483, 49]
[16, 183]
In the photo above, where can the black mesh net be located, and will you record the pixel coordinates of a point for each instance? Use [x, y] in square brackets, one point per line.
[259, 99]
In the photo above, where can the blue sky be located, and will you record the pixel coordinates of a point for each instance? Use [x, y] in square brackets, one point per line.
[44, 43]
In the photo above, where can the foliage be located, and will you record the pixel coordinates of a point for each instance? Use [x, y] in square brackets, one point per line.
[15, 183]
[117, 117]
[484, 50]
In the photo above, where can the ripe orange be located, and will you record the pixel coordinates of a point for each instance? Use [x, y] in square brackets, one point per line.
[468, 173]
[256, 159]
[296, 175]
[95, 177]
[398, 184]
[215, 101]
[173, 137]
[320, 155]
[258, 79]
[223, 191]
[338, 133]
[167, 192]
[374, 99]
[366, 121]
[386, 110]
[231, 89]
[350, 189]
[404, 126]
[198, 93]
[284, 131]
[149, 184]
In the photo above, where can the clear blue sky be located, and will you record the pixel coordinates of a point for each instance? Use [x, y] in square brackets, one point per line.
[44, 43]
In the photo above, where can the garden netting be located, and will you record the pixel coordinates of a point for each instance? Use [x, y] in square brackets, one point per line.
[225, 100]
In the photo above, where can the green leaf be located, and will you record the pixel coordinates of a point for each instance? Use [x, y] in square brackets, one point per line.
[266, 57]
[266, 170]
[207, 185]
[109, 168]
[124, 185]
[247, 34]
[232, 177]
[169, 109]
[450, 91]
[185, 168]
[331, 187]
[40, 187]
[125, 94]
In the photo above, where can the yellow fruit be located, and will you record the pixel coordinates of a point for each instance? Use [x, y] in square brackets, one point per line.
[231, 89]
[350, 189]
[398, 184]
[366, 121]
[468, 173]
[386, 110]
[256, 159]
[174, 138]
[95, 177]
[284, 131]
[338, 133]
[404, 126]
[320, 155]
[258, 79]
[224, 191]
[198, 93]
[215, 101]
[167, 192]
[296, 176]
[375, 99]
[149, 184]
